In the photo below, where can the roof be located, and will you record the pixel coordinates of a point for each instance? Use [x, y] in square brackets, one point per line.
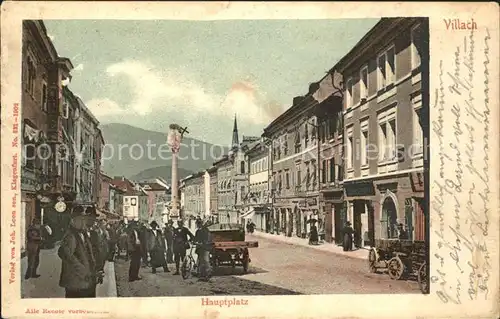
[153, 186]
[301, 104]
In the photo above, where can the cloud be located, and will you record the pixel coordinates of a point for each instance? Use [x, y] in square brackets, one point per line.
[156, 90]
[79, 67]
[104, 107]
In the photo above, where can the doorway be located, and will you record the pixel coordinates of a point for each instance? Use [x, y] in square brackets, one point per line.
[389, 219]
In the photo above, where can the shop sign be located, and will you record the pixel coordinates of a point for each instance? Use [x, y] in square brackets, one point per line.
[360, 189]
[312, 202]
[28, 181]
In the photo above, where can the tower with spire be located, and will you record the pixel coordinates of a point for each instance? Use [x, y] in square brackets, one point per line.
[235, 142]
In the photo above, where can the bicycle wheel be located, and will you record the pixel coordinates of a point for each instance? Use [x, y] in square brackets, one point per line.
[187, 265]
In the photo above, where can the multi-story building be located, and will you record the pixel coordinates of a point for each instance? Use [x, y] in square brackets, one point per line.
[157, 200]
[385, 102]
[87, 161]
[330, 134]
[225, 190]
[193, 189]
[214, 212]
[104, 192]
[116, 200]
[256, 201]
[43, 75]
[294, 154]
[135, 200]
[240, 174]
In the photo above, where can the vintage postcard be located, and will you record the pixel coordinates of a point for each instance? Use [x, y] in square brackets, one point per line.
[249, 160]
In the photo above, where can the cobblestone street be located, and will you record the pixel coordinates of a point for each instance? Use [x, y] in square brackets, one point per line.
[276, 268]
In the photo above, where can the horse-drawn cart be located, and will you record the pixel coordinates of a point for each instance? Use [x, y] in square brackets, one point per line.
[401, 258]
[230, 247]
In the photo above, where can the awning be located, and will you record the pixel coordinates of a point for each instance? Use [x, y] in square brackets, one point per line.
[248, 215]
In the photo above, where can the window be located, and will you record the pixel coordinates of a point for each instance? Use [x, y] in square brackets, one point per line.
[306, 135]
[30, 151]
[44, 96]
[387, 141]
[332, 170]
[418, 135]
[280, 180]
[297, 142]
[298, 182]
[323, 171]
[242, 167]
[314, 168]
[386, 68]
[349, 148]
[285, 145]
[287, 179]
[416, 40]
[332, 127]
[364, 143]
[31, 75]
[363, 83]
[308, 175]
[349, 95]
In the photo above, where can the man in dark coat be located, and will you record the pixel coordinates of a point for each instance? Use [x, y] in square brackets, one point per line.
[313, 234]
[157, 248]
[78, 271]
[347, 241]
[135, 251]
[34, 241]
[168, 232]
[100, 241]
[203, 240]
[181, 243]
[143, 234]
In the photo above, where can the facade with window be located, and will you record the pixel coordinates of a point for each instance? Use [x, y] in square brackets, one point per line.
[385, 100]
[212, 172]
[194, 194]
[240, 175]
[40, 130]
[225, 190]
[294, 168]
[330, 127]
[256, 200]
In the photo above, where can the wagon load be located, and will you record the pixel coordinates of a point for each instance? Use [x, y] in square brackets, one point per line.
[230, 246]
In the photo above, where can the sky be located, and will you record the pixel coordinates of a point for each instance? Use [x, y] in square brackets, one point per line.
[199, 74]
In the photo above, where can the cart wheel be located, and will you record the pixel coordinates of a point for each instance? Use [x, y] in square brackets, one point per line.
[422, 278]
[396, 268]
[372, 260]
[246, 262]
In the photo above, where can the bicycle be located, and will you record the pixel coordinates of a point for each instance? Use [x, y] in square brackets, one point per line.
[188, 264]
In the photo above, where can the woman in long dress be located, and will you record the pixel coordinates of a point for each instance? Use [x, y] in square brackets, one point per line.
[347, 242]
[156, 248]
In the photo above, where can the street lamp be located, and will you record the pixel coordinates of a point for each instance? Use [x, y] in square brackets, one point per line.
[174, 138]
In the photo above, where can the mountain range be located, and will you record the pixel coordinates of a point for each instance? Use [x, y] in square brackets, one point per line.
[142, 154]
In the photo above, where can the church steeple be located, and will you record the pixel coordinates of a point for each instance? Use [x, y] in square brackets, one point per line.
[235, 142]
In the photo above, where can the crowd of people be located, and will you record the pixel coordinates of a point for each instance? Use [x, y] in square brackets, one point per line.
[90, 242]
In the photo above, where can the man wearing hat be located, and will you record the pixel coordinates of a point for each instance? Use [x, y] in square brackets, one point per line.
[135, 251]
[78, 271]
[168, 233]
[203, 240]
[34, 240]
[156, 248]
[182, 235]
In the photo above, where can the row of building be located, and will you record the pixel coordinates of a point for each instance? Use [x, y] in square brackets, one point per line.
[350, 149]
[62, 145]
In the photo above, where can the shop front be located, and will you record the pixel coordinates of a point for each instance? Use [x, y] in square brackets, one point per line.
[360, 198]
[335, 215]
